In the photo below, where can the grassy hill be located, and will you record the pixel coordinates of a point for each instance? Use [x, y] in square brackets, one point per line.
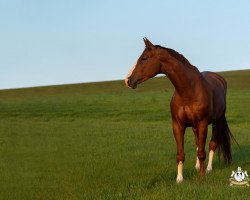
[105, 141]
[236, 80]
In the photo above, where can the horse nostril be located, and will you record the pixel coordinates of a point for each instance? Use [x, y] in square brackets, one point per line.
[129, 81]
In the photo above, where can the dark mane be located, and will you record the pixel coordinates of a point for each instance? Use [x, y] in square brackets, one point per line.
[178, 56]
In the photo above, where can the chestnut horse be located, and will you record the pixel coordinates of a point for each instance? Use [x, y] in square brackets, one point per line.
[199, 100]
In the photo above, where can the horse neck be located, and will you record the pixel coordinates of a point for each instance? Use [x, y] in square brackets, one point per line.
[186, 79]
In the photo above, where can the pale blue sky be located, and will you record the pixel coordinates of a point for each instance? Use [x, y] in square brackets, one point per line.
[58, 42]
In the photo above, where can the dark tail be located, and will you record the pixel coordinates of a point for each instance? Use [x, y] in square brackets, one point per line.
[224, 141]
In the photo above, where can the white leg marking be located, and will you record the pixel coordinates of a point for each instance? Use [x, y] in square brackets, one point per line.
[210, 161]
[179, 178]
[197, 165]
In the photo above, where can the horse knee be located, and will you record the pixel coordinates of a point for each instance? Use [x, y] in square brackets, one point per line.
[201, 155]
[180, 157]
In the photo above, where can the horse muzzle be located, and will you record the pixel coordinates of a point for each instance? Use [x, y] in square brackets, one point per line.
[131, 83]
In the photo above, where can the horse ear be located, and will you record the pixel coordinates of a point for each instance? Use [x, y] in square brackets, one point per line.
[148, 44]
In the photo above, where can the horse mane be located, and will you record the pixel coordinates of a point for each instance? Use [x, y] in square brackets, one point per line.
[178, 56]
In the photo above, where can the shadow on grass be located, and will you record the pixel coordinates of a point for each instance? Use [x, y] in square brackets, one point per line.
[168, 176]
[240, 157]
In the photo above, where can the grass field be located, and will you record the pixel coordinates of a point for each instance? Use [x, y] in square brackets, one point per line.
[104, 141]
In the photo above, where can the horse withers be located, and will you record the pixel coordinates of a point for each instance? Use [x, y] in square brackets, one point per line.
[199, 99]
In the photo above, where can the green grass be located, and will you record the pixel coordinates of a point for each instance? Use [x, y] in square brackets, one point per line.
[104, 141]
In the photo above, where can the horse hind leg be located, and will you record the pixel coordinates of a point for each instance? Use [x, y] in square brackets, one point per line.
[210, 161]
[201, 153]
[212, 145]
[197, 164]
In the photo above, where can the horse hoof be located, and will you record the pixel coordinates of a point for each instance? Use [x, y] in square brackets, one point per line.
[209, 169]
[197, 167]
[179, 180]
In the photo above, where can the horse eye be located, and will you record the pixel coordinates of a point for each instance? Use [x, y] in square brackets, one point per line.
[144, 58]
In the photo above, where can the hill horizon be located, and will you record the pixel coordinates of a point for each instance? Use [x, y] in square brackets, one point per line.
[106, 81]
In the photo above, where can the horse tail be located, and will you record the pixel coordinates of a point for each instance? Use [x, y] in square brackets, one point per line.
[224, 140]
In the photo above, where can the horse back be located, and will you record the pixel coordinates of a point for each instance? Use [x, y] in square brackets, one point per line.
[215, 79]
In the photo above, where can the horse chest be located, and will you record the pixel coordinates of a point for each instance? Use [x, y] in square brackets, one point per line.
[188, 114]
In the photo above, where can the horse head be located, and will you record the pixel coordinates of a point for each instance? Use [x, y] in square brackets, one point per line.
[147, 66]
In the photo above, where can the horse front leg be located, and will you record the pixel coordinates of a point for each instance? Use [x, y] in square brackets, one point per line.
[201, 152]
[178, 131]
